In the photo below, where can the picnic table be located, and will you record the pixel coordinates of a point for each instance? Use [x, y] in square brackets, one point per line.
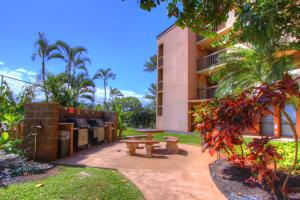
[149, 132]
[132, 146]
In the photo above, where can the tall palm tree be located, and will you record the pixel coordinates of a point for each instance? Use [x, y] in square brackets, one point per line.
[151, 93]
[242, 68]
[115, 93]
[104, 75]
[74, 58]
[45, 51]
[151, 65]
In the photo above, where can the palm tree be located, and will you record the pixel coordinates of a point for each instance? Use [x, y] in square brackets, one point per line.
[115, 93]
[46, 52]
[81, 90]
[243, 68]
[105, 75]
[74, 58]
[151, 94]
[151, 65]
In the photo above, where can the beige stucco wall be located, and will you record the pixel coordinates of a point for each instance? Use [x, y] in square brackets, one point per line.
[175, 80]
[179, 78]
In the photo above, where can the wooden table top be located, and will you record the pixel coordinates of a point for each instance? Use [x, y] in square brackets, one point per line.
[149, 130]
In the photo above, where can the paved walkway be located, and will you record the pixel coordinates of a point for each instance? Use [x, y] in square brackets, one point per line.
[164, 177]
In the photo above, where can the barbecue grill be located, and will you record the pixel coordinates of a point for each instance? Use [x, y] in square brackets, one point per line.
[81, 137]
[96, 131]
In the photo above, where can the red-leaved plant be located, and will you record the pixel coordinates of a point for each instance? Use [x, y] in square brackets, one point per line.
[222, 122]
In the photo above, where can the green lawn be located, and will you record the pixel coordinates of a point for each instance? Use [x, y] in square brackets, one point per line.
[193, 139]
[67, 184]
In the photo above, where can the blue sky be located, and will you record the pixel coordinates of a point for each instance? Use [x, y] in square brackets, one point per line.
[117, 34]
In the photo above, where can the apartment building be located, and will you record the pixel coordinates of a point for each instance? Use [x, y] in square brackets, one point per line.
[185, 61]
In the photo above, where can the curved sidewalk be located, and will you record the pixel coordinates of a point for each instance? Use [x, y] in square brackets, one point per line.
[164, 177]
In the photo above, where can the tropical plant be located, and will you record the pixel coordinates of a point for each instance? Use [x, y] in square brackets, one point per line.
[74, 58]
[151, 65]
[46, 52]
[115, 93]
[104, 75]
[221, 123]
[8, 145]
[12, 108]
[242, 68]
[81, 91]
[56, 84]
[121, 118]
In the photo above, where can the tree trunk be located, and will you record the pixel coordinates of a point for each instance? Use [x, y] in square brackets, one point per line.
[290, 122]
[104, 91]
[44, 79]
[69, 76]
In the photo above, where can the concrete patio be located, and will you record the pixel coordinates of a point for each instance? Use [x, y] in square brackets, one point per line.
[163, 177]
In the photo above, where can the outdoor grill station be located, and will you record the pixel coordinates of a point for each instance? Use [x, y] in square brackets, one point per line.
[65, 130]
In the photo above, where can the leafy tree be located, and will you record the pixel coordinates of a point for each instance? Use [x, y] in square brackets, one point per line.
[115, 93]
[129, 104]
[46, 52]
[104, 75]
[243, 68]
[151, 65]
[144, 117]
[257, 22]
[74, 58]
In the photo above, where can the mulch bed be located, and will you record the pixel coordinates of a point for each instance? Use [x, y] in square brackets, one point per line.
[230, 179]
[33, 177]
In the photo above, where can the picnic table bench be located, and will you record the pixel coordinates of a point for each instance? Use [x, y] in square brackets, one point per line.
[172, 146]
[132, 145]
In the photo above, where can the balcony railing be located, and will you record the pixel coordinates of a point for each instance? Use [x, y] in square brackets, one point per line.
[160, 61]
[209, 60]
[200, 37]
[219, 27]
[215, 29]
[207, 93]
[160, 86]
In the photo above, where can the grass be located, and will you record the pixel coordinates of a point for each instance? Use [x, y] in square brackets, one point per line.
[67, 184]
[192, 139]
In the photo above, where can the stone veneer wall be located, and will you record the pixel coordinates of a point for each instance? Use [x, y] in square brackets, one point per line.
[46, 115]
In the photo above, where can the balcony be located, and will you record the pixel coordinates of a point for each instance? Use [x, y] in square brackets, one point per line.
[159, 110]
[160, 62]
[209, 60]
[215, 29]
[207, 93]
[160, 86]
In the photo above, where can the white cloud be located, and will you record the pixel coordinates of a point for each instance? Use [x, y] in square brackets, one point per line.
[21, 74]
[1, 63]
